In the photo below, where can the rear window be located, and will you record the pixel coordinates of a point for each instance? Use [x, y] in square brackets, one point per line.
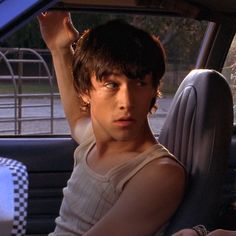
[29, 99]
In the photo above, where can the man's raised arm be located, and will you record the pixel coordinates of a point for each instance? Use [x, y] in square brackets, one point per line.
[58, 33]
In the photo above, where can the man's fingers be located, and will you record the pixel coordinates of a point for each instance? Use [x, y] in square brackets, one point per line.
[72, 30]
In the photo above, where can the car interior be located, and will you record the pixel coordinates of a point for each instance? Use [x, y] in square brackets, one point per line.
[195, 133]
[199, 128]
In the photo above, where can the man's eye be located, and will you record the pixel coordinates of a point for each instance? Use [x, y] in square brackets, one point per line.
[111, 85]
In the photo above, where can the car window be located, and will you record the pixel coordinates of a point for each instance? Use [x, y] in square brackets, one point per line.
[229, 71]
[29, 98]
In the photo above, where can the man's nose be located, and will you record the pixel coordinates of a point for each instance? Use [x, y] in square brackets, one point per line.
[126, 98]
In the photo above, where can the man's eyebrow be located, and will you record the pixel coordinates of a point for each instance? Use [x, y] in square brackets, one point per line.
[106, 74]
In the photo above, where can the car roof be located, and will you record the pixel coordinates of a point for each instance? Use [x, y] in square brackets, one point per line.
[213, 10]
[227, 7]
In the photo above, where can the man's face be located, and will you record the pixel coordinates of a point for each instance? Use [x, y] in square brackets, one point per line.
[119, 107]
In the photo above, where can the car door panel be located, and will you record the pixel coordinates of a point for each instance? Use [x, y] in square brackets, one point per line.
[49, 163]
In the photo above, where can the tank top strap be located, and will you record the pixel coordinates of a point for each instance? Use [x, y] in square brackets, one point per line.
[82, 150]
[123, 173]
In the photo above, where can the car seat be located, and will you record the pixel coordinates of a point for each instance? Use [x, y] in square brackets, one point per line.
[13, 197]
[198, 132]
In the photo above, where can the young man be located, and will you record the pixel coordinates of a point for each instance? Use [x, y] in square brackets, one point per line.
[124, 182]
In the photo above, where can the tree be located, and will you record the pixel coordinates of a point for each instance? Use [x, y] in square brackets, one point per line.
[173, 31]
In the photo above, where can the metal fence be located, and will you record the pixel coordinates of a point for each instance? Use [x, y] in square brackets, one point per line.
[29, 100]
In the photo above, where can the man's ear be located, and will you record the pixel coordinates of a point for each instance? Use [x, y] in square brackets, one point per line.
[85, 102]
[85, 97]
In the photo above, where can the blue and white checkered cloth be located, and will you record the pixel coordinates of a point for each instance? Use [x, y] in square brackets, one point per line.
[13, 197]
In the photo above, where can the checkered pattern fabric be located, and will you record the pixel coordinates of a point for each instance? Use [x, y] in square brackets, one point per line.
[20, 182]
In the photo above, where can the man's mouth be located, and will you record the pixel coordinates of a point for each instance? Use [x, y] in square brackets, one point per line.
[125, 121]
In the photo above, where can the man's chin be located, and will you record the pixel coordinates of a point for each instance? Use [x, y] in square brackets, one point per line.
[126, 137]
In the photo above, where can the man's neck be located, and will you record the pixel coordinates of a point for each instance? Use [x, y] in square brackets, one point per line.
[110, 147]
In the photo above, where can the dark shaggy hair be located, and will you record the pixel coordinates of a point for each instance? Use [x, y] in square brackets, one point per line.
[117, 47]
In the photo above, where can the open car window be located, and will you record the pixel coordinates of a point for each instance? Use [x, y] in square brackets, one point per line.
[14, 15]
[29, 98]
[34, 131]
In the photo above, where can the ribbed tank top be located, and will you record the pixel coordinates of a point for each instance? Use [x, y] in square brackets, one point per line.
[89, 195]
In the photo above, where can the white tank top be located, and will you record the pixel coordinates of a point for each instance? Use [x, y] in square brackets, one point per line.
[89, 195]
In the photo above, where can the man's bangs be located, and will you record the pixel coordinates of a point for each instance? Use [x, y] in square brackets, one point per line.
[131, 70]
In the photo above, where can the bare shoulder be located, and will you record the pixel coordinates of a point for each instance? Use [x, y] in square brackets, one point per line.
[167, 165]
[169, 175]
[82, 130]
[160, 180]
[164, 167]
[156, 191]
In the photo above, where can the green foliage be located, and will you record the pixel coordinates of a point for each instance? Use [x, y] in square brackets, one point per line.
[181, 37]
[27, 37]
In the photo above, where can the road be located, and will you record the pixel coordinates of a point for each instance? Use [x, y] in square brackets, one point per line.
[156, 120]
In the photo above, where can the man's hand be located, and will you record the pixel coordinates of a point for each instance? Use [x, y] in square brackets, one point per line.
[186, 232]
[221, 232]
[57, 29]
[59, 33]
[217, 232]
